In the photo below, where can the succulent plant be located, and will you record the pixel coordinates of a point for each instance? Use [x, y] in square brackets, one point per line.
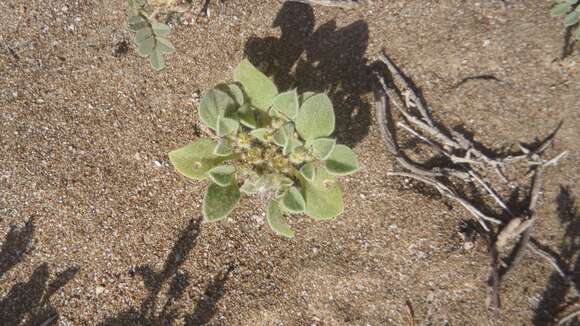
[275, 145]
[571, 10]
[150, 34]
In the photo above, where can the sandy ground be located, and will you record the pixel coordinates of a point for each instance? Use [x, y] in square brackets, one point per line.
[97, 228]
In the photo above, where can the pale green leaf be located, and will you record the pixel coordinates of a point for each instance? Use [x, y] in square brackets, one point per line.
[234, 90]
[560, 9]
[323, 196]
[279, 137]
[262, 134]
[322, 147]
[145, 47]
[222, 175]
[315, 118]
[195, 159]
[293, 201]
[342, 161]
[157, 60]
[308, 171]
[259, 88]
[280, 192]
[219, 202]
[143, 34]
[286, 104]
[214, 104]
[277, 221]
[291, 144]
[164, 45]
[304, 96]
[246, 116]
[223, 148]
[249, 187]
[227, 126]
[136, 22]
[160, 29]
[572, 18]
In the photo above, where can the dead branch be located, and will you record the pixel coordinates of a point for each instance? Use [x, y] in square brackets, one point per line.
[569, 317]
[345, 4]
[467, 161]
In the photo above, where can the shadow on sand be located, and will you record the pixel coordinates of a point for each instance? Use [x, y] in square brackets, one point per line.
[28, 303]
[555, 296]
[328, 59]
[151, 312]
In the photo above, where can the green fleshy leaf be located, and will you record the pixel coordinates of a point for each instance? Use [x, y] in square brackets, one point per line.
[286, 104]
[160, 29]
[279, 137]
[293, 200]
[291, 145]
[136, 4]
[259, 88]
[277, 221]
[315, 118]
[145, 47]
[249, 187]
[195, 159]
[136, 22]
[572, 18]
[164, 45]
[323, 196]
[280, 192]
[561, 9]
[262, 134]
[246, 116]
[219, 202]
[234, 90]
[286, 182]
[222, 175]
[214, 104]
[223, 148]
[342, 161]
[263, 182]
[143, 34]
[157, 60]
[578, 34]
[304, 96]
[227, 126]
[308, 171]
[322, 147]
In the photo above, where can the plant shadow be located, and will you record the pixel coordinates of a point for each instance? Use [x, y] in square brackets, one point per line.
[327, 59]
[28, 303]
[155, 312]
[555, 295]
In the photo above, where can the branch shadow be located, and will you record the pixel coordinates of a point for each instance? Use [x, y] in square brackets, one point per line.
[327, 59]
[554, 298]
[28, 303]
[206, 306]
[151, 311]
[568, 46]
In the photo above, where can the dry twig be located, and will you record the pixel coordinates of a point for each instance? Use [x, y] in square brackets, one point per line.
[345, 4]
[569, 317]
[467, 161]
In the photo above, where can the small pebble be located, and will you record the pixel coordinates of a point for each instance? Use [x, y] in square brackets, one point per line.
[99, 290]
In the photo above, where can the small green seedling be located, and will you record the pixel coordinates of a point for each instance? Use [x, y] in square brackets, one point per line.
[150, 34]
[571, 10]
[272, 144]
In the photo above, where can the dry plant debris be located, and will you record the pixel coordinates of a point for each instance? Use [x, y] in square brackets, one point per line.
[470, 166]
[345, 4]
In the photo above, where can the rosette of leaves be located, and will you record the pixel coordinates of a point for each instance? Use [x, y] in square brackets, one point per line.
[275, 145]
[150, 35]
[570, 9]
